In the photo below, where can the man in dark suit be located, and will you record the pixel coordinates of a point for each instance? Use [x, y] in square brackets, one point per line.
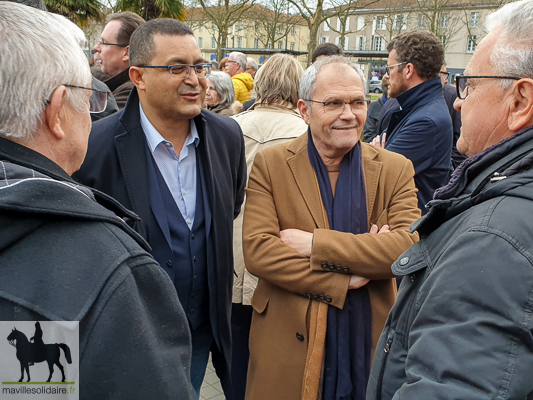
[183, 171]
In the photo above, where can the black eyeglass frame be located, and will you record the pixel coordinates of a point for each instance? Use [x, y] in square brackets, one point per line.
[463, 78]
[208, 66]
[447, 73]
[343, 105]
[107, 93]
[112, 44]
[388, 67]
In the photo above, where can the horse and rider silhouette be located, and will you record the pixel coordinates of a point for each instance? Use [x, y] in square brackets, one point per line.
[29, 353]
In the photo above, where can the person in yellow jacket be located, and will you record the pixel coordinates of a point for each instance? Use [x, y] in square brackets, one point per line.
[242, 81]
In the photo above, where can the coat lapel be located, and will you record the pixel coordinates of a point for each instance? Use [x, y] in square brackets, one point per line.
[305, 178]
[371, 171]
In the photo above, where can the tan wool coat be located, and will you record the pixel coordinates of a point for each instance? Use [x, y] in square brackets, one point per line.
[291, 300]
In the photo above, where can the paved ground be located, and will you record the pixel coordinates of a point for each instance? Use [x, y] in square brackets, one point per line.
[211, 389]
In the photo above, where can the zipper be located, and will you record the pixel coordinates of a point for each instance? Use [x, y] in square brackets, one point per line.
[386, 350]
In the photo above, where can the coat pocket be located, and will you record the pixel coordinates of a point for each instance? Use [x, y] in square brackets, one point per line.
[259, 301]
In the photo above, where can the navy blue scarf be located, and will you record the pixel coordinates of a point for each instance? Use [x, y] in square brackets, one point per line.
[349, 331]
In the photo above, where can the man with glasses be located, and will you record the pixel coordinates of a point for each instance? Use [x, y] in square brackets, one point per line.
[243, 82]
[461, 327]
[421, 129]
[64, 256]
[183, 171]
[112, 53]
[313, 212]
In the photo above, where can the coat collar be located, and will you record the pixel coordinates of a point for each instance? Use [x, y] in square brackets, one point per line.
[420, 94]
[307, 183]
[118, 80]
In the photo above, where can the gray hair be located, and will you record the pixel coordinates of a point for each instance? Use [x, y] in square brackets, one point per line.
[39, 51]
[512, 53]
[308, 79]
[252, 62]
[240, 58]
[223, 86]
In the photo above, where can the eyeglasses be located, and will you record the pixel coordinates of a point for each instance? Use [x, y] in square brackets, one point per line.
[462, 85]
[182, 71]
[236, 62]
[97, 101]
[337, 107]
[388, 67]
[112, 44]
[446, 73]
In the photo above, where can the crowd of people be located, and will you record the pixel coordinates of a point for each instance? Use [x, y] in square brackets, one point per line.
[179, 208]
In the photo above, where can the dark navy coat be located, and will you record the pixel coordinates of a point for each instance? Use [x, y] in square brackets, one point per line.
[116, 163]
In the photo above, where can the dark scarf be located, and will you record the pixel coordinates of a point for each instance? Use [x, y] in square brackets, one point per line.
[349, 331]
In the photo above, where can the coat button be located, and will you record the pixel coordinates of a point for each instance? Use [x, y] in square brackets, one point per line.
[322, 298]
[169, 264]
[328, 299]
[195, 258]
[315, 296]
[412, 277]
[308, 294]
[300, 337]
[331, 267]
[404, 261]
[324, 266]
[346, 269]
[193, 236]
[338, 268]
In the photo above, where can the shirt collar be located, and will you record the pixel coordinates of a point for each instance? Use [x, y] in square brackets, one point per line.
[154, 138]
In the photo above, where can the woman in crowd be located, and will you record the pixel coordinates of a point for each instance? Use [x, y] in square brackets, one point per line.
[273, 119]
[223, 63]
[220, 95]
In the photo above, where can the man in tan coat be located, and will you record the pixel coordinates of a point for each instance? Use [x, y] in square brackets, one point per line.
[322, 288]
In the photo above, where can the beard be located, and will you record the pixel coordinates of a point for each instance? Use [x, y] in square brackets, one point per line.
[397, 88]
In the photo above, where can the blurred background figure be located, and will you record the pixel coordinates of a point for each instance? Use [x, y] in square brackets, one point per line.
[220, 95]
[273, 119]
[374, 111]
[215, 66]
[223, 63]
[326, 50]
[251, 66]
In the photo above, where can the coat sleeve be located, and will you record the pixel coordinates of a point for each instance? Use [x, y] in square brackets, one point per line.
[267, 257]
[472, 334]
[371, 255]
[138, 344]
[416, 141]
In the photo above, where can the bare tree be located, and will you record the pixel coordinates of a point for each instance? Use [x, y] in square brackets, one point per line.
[218, 17]
[441, 18]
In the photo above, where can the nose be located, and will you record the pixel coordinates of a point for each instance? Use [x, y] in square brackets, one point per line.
[192, 79]
[458, 103]
[97, 48]
[386, 75]
[347, 113]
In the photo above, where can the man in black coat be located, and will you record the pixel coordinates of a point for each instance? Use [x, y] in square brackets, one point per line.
[64, 256]
[183, 170]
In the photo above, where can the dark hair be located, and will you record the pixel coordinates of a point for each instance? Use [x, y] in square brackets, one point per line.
[129, 22]
[38, 4]
[142, 41]
[420, 48]
[326, 49]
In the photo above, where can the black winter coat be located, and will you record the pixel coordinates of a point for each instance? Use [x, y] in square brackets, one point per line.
[64, 257]
[462, 325]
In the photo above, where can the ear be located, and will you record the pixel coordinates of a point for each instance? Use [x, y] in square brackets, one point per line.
[53, 113]
[409, 70]
[137, 77]
[126, 55]
[303, 107]
[521, 108]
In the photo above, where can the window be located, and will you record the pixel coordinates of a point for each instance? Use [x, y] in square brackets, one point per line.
[201, 42]
[322, 40]
[240, 25]
[337, 40]
[381, 23]
[360, 23]
[340, 23]
[239, 42]
[379, 44]
[422, 21]
[257, 26]
[279, 30]
[292, 46]
[474, 19]
[471, 44]
[269, 45]
[213, 26]
[326, 26]
[443, 40]
[444, 21]
[213, 43]
[280, 44]
[361, 43]
[293, 31]
[400, 22]
[256, 43]
[346, 43]
[201, 27]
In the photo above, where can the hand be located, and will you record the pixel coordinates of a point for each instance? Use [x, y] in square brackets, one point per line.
[379, 141]
[384, 229]
[299, 240]
[357, 281]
